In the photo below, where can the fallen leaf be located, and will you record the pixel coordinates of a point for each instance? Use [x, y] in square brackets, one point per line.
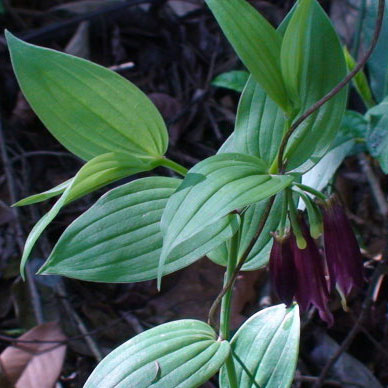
[347, 368]
[84, 6]
[35, 364]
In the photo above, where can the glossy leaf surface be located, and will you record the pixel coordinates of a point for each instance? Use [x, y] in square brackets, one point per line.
[377, 140]
[36, 198]
[256, 42]
[119, 239]
[378, 62]
[265, 349]
[88, 108]
[260, 124]
[360, 81]
[312, 63]
[96, 173]
[211, 190]
[182, 354]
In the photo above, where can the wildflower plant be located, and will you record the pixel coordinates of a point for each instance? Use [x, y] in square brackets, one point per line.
[227, 207]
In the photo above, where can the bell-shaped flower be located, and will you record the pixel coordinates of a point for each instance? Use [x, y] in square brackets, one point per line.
[311, 286]
[343, 256]
[282, 268]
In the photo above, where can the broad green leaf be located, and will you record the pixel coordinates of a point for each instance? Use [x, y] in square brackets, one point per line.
[360, 81]
[256, 42]
[227, 146]
[183, 354]
[88, 108]
[265, 349]
[211, 190]
[312, 63]
[96, 173]
[234, 80]
[104, 169]
[36, 198]
[354, 126]
[260, 124]
[378, 62]
[377, 139]
[128, 219]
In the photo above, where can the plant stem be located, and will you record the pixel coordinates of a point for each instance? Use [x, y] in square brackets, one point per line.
[226, 300]
[173, 166]
[231, 371]
[241, 261]
[312, 191]
[281, 162]
[226, 308]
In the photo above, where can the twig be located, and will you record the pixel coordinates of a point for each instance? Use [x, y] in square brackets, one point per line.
[35, 298]
[241, 261]
[45, 153]
[80, 324]
[133, 320]
[335, 90]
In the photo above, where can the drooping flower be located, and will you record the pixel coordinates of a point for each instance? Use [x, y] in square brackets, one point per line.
[342, 251]
[282, 268]
[311, 286]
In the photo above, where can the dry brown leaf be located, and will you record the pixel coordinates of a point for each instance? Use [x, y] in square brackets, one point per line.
[35, 364]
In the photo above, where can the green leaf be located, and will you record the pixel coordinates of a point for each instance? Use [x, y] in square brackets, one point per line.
[354, 126]
[211, 190]
[378, 62]
[265, 349]
[96, 173]
[377, 140]
[88, 108]
[360, 81]
[57, 190]
[256, 42]
[128, 218]
[312, 63]
[260, 124]
[234, 80]
[183, 354]
[227, 146]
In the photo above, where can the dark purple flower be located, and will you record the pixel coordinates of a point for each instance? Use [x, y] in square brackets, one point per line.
[282, 268]
[311, 281]
[343, 254]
